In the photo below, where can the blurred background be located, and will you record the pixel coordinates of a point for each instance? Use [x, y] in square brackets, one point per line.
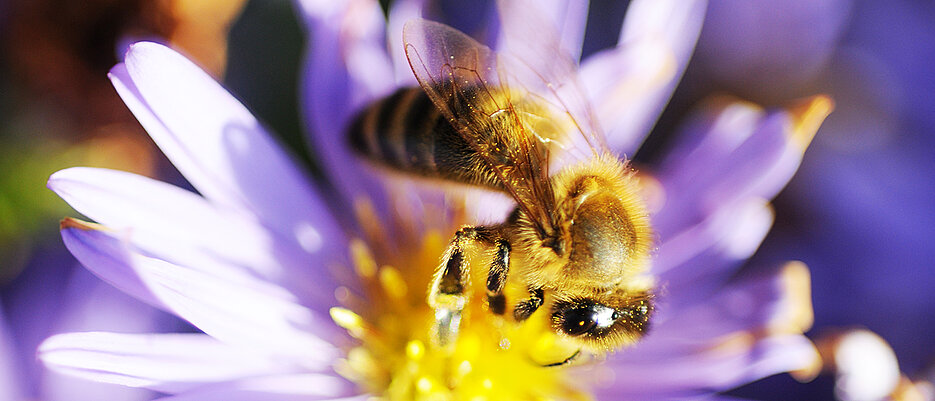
[859, 212]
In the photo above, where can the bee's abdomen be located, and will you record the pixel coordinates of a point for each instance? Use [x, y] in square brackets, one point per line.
[406, 132]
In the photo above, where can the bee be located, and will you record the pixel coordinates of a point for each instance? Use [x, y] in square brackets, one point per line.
[578, 240]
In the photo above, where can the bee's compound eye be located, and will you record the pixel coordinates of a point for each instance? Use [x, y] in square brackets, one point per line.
[637, 313]
[587, 318]
[578, 321]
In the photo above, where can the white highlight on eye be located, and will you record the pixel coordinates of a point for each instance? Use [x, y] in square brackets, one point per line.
[604, 317]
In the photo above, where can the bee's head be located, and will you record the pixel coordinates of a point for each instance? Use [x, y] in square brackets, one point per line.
[604, 322]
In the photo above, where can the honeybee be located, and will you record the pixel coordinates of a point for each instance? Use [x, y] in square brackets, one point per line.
[579, 240]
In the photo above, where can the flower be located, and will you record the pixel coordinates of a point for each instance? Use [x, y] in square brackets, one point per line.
[866, 174]
[294, 299]
[55, 295]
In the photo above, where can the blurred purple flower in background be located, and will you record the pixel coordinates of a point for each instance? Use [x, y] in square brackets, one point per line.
[258, 262]
[859, 212]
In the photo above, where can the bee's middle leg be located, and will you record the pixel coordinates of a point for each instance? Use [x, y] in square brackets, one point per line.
[449, 287]
[496, 277]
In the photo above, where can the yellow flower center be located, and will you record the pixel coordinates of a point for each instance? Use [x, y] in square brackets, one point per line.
[493, 358]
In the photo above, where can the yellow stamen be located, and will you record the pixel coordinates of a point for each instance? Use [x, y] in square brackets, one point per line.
[392, 282]
[797, 283]
[363, 261]
[415, 350]
[493, 358]
[69, 222]
[350, 321]
[807, 117]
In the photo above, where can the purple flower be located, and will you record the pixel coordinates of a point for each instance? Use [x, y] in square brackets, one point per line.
[296, 300]
[55, 295]
[858, 211]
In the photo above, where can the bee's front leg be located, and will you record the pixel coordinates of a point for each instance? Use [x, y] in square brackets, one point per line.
[526, 307]
[449, 287]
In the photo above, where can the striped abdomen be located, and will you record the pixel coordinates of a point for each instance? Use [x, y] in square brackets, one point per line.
[406, 132]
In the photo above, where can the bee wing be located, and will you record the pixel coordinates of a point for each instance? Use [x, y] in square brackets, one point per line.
[484, 104]
[530, 42]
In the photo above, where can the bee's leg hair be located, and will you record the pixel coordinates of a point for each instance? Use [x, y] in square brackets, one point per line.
[496, 277]
[526, 307]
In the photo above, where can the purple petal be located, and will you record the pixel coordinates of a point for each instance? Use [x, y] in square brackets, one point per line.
[219, 146]
[178, 226]
[733, 152]
[697, 261]
[233, 392]
[346, 67]
[61, 387]
[10, 380]
[744, 332]
[732, 363]
[90, 304]
[106, 254]
[163, 362]
[233, 309]
[158, 212]
[768, 303]
[619, 81]
[566, 18]
[670, 26]
[279, 387]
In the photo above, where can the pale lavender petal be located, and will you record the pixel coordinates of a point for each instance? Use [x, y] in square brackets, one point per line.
[731, 364]
[619, 81]
[671, 26]
[107, 257]
[169, 363]
[220, 147]
[240, 315]
[157, 212]
[61, 387]
[347, 66]
[10, 380]
[279, 387]
[240, 311]
[570, 19]
[305, 389]
[181, 227]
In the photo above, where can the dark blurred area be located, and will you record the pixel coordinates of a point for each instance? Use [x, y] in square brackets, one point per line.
[58, 110]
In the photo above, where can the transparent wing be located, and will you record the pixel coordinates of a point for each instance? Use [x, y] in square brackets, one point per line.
[531, 50]
[498, 120]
